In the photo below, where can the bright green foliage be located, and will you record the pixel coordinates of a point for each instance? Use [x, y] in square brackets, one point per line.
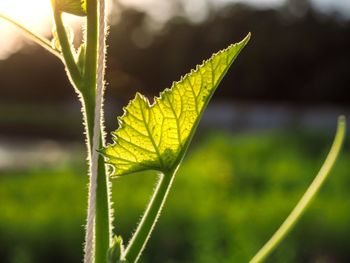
[74, 7]
[155, 137]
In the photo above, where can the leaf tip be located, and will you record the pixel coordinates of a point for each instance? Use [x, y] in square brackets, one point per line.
[341, 129]
[342, 120]
[247, 38]
[244, 41]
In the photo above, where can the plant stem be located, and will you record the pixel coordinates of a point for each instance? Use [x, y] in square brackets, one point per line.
[33, 36]
[91, 47]
[149, 219]
[103, 227]
[103, 219]
[102, 233]
[310, 193]
[86, 85]
[72, 68]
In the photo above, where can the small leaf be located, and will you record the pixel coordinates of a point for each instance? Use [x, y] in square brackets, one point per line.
[55, 43]
[80, 59]
[74, 7]
[156, 137]
[115, 252]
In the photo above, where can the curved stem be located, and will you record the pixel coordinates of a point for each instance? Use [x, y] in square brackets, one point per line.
[149, 219]
[33, 36]
[73, 71]
[310, 193]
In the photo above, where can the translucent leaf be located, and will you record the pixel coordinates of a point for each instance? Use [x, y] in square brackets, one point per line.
[156, 137]
[74, 7]
[80, 59]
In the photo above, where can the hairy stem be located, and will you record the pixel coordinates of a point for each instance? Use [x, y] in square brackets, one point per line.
[91, 47]
[98, 230]
[103, 204]
[33, 36]
[310, 193]
[149, 219]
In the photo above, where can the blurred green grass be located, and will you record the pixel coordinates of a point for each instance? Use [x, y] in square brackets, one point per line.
[230, 195]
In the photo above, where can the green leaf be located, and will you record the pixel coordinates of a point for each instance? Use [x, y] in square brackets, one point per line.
[156, 136]
[80, 59]
[115, 252]
[74, 7]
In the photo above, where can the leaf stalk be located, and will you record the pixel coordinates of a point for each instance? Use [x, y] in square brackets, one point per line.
[308, 196]
[33, 36]
[72, 68]
[150, 217]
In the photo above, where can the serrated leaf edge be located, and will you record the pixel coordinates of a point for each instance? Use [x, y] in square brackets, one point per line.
[182, 153]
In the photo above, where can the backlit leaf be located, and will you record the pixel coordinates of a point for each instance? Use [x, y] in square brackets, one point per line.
[74, 7]
[156, 136]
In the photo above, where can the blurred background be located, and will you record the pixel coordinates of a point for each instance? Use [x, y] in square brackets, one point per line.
[261, 142]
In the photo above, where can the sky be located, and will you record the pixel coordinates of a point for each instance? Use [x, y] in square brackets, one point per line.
[36, 15]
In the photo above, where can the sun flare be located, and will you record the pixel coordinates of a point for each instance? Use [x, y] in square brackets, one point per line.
[35, 15]
[30, 13]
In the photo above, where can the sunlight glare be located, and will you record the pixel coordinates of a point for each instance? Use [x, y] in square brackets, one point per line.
[33, 14]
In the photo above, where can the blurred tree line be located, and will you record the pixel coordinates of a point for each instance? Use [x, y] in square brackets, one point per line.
[296, 55]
